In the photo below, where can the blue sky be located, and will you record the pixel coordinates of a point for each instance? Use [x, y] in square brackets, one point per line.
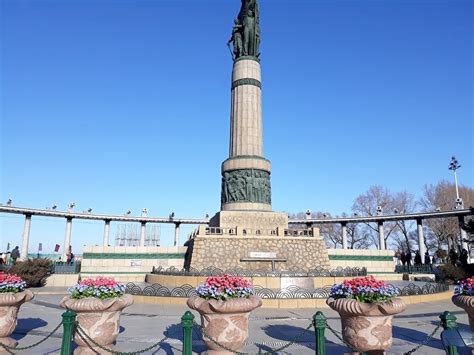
[124, 104]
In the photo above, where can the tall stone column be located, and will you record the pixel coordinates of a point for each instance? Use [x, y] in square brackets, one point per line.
[176, 234]
[421, 239]
[246, 174]
[344, 235]
[26, 237]
[142, 234]
[381, 236]
[67, 237]
[106, 232]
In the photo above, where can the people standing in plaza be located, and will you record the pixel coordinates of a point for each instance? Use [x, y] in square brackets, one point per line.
[69, 256]
[463, 258]
[15, 254]
[427, 258]
[417, 258]
[408, 257]
[403, 258]
[453, 256]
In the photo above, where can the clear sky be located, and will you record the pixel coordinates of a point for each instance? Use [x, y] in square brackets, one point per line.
[124, 104]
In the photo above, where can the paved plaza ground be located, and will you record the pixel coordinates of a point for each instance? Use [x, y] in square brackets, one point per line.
[144, 324]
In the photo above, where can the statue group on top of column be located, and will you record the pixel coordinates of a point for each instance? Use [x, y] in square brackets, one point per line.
[246, 32]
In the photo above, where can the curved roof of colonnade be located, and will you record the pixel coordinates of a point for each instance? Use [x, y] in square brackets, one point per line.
[354, 219]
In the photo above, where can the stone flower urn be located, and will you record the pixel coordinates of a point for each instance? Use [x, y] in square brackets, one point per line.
[100, 320]
[9, 305]
[225, 321]
[367, 327]
[466, 303]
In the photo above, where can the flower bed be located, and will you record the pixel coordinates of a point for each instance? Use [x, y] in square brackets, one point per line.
[102, 288]
[364, 289]
[11, 283]
[225, 287]
[465, 287]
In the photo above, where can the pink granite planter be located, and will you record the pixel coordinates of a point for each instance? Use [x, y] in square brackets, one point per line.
[466, 303]
[225, 321]
[9, 305]
[100, 319]
[367, 327]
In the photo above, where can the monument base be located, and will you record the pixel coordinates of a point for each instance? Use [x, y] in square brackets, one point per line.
[264, 223]
[289, 253]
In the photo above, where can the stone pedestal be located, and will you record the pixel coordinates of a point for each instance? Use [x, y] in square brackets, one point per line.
[226, 252]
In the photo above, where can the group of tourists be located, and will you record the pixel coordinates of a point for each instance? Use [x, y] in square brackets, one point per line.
[10, 257]
[406, 258]
[462, 259]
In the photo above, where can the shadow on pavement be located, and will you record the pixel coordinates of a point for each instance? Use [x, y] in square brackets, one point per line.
[415, 336]
[287, 333]
[25, 325]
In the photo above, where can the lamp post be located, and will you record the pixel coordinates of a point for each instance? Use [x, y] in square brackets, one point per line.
[454, 165]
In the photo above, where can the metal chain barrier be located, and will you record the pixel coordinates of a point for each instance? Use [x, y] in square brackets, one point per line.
[88, 340]
[273, 351]
[9, 349]
[426, 341]
[338, 334]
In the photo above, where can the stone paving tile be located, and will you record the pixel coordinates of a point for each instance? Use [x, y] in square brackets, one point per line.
[142, 325]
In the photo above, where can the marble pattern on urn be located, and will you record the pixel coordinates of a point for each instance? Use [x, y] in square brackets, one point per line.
[225, 321]
[9, 306]
[367, 326]
[466, 303]
[100, 320]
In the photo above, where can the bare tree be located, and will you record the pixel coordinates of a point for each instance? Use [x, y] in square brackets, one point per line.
[403, 203]
[368, 204]
[443, 232]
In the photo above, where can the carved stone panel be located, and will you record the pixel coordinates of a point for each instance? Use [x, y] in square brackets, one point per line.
[246, 185]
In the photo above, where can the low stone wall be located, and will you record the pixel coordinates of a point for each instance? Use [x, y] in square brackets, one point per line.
[128, 264]
[62, 280]
[224, 252]
[376, 261]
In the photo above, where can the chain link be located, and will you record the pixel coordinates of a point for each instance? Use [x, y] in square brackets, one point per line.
[273, 351]
[10, 348]
[426, 341]
[338, 334]
[83, 335]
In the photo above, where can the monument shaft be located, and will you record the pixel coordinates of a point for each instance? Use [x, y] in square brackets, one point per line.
[246, 174]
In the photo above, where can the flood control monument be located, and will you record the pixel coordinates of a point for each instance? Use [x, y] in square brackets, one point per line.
[246, 232]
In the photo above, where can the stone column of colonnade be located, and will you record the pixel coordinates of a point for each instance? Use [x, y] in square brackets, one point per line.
[67, 238]
[106, 233]
[344, 235]
[421, 239]
[381, 236]
[26, 237]
[463, 233]
[142, 234]
[176, 234]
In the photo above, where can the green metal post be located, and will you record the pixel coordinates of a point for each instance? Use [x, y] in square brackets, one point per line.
[319, 323]
[69, 319]
[448, 321]
[187, 322]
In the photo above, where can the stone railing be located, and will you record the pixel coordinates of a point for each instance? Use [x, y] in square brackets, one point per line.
[298, 232]
[242, 231]
[213, 271]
